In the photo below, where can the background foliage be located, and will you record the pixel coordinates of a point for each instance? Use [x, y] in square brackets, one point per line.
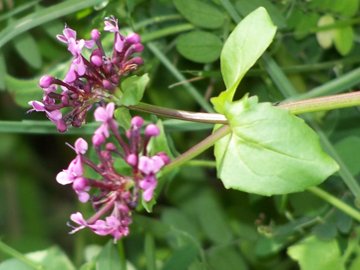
[197, 223]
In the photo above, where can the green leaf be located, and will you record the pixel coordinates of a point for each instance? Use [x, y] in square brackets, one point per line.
[181, 258]
[225, 258]
[245, 7]
[314, 254]
[27, 48]
[325, 38]
[270, 151]
[52, 258]
[245, 45]
[199, 46]
[346, 149]
[2, 71]
[108, 258]
[344, 40]
[42, 16]
[200, 13]
[325, 231]
[123, 117]
[133, 89]
[23, 90]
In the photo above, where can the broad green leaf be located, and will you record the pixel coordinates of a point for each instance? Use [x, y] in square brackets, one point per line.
[200, 13]
[123, 117]
[199, 46]
[315, 254]
[270, 151]
[346, 149]
[213, 223]
[52, 258]
[181, 258]
[2, 71]
[133, 89]
[225, 258]
[346, 8]
[27, 48]
[355, 264]
[344, 40]
[245, 45]
[245, 7]
[325, 38]
[23, 90]
[108, 258]
[326, 231]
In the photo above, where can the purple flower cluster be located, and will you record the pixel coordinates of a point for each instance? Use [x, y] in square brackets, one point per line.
[87, 80]
[113, 195]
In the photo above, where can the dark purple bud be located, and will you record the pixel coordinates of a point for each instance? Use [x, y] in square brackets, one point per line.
[107, 84]
[46, 81]
[115, 79]
[152, 130]
[95, 34]
[133, 38]
[137, 122]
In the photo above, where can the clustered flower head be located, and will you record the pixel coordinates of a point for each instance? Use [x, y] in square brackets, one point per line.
[88, 80]
[113, 194]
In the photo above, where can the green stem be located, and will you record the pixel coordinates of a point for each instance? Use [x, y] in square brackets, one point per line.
[201, 163]
[339, 204]
[296, 107]
[16, 254]
[166, 31]
[149, 249]
[156, 19]
[337, 85]
[197, 149]
[323, 103]
[178, 75]
[122, 256]
[180, 114]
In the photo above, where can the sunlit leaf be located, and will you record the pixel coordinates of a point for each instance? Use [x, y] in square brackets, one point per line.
[244, 46]
[270, 151]
[313, 253]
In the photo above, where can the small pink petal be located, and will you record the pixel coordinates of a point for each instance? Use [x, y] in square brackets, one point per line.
[81, 146]
[64, 178]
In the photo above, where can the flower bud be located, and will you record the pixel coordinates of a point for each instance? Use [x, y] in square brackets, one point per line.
[46, 81]
[95, 34]
[152, 130]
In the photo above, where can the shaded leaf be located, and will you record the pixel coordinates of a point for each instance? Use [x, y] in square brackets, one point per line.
[27, 48]
[270, 151]
[23, 90]
[133, 89]
[108, 258]
[346, 149]
[200, 13]
[199, 46]
[245, 7]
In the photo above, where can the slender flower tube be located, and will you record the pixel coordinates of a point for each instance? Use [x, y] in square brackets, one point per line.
[87, 81]
[113, 194]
